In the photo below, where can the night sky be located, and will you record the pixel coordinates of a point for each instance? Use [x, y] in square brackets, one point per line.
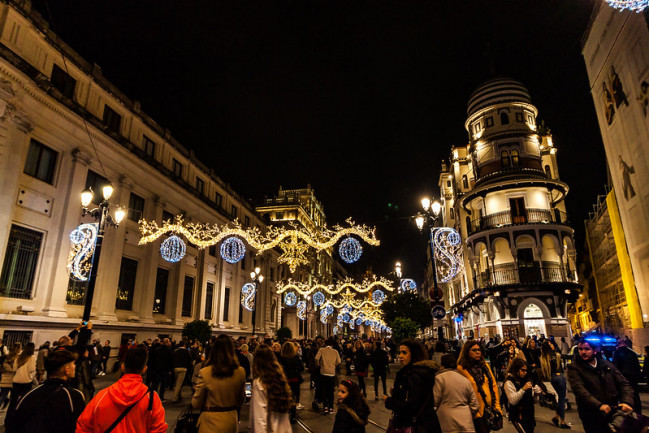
[360, 99]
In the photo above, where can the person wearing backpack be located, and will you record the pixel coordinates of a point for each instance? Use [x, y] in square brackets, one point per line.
[127, 405]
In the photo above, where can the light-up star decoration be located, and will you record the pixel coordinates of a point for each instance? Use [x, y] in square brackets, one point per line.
[632, 5]
[294, 242]
[447, 250]
[83, 240]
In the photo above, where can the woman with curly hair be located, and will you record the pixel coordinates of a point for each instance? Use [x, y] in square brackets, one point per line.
[353, 411]
[271, 395]
[472, 365]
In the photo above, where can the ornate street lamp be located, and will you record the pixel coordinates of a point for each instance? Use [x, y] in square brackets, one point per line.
[257, 279]
[101, 214]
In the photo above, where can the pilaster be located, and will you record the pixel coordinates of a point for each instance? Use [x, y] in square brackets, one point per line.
[150, 267]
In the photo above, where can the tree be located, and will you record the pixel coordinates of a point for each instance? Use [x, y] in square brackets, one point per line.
[199, 330]
[284, 333]
[408, 304]
[403, 327]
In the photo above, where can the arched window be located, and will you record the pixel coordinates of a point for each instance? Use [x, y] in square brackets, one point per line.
[515, 158]
[505, 162]
[465, 182]
[452, 213]
[504, 118]
[548, 172]
[533, 311]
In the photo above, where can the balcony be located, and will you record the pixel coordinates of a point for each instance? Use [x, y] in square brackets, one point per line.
[509, 218]
[508, 274]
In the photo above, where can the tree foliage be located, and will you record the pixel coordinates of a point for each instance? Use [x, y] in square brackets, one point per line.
[408, 304]
[403, 327]
[284, 333]
[199, 330]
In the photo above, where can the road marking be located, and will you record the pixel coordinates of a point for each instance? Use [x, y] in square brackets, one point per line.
[376, 425]
[304, 426]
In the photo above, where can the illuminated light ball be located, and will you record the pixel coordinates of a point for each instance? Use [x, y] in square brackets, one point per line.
[350, 250]
[359, 321]
[346, 317]
[233, 250]
[407, 284]
[173, 249]
[378, 296]
[77, 236]
[368, 323]
[290, 299]
[454, 238]
[318, 298]
[329, 309]
[632, 5]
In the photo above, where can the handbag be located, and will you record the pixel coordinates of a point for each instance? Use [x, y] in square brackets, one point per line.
[187, 421]
[491, 416]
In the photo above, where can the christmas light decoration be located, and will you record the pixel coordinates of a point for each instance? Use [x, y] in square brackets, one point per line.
[293, 242]
[318, 298]
[173, 249]
[632, 5]
[301, 310]
[408, 285]
[83, 240]
[335, 330]
[290, 299]
[233, 250]
[359, 321]
[378, 296]
[447, 250]
[248, 292]
[367, 285]
[350, 250]
[346, 317]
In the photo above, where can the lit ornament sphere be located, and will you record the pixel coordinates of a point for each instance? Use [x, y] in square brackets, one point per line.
[329, 309]
[378, 296]
[290, 299]
[346, 317]
[318, 298]
[233, 250]
[350, 250]
[407, 284]
[77, 236]
[359, 321]
[173, 249]
[368, 323]
[632, 5]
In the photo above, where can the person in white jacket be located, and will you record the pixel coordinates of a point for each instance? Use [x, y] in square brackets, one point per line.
[25, 376]
[271, 395]
[454, 398]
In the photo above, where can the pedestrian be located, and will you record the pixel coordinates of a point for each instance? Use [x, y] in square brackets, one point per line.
[472, 365]
[314, 372]
[54, 406]
[105, 356]
[598, 387]
[182, 363]
[271, 395]
[220, 389]
[455, 400]
[379, 362]
[626, 361]
[162, 367]
[645, 365]
[126, 406]
[361, 365]
[8, 373]
[353, 411]
[520, 392]
[25, 376]
[552, 371]
[412, 403]
[246, 352]
[293, 368]
[328, 359]
[43, 351]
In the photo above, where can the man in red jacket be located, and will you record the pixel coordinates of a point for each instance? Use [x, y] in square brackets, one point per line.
[127, 403]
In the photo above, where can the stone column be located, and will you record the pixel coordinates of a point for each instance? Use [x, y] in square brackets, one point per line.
[149, 266]
[538, 251]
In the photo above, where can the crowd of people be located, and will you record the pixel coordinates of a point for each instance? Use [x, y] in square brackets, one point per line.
[440, 387]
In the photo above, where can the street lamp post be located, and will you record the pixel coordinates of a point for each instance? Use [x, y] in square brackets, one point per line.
[257, 279]
[101, 214]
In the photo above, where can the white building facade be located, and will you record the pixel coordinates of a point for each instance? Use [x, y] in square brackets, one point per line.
[63, 127]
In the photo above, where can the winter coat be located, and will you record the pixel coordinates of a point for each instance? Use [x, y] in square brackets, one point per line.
[456, 402]
[292, 367]
[163, 359]
[110, 402]
[521, 402]
[347, 421]
[53, 407]
[328, 359]
[485, 388]
[412, 396]
[259, 417]
[221, 392]
[26, 373]
[379, 361]
[595, 386]
[626, 361]
[182, 358]
[361, 362]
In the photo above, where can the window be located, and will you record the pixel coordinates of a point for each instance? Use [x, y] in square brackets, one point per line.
[160, 297]
[452, 213]
[272, 274]
[240, 313]
[211, 250]
[149, 146]
[476, 127]
[448, 184]
[21, 258]
[243, 263]
[489, 121]
[41, 161]
[226, 305]
[112, 120]
[233, 211]
[96, 182]
[515, 158]
[465, 182]
[218, 199]
[279, 215]
[126, 284]
[200, 185]
[177, 168]
[504, 159]
[167, 216]
[246, 221]
[209, 300]
[519, 117]
[530, 119]
[548, 172]
[504, 119]
[63, 82]
[76, 292]
[188, 296]
[135, 207]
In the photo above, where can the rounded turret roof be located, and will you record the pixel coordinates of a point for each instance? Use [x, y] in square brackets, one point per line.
[497, 91]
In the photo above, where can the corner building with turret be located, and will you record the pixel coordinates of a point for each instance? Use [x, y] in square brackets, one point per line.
[503, 194]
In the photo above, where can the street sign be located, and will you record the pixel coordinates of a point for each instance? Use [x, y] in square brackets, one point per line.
[438, 312]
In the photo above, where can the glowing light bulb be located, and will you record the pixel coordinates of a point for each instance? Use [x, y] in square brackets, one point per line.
[107, 191]
[86, 197]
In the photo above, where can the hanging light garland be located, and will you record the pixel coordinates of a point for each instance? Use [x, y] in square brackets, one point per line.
[248, 292]
[350, 250]
[294, 242]
[305, 289]
[82, 249]
[632, 5]
[173, 249]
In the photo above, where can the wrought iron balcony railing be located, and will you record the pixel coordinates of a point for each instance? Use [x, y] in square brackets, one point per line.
[510, 274]
[509, 217]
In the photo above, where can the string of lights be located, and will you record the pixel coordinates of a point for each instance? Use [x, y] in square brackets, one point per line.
[365, 286]
[632, 5]
[248, 292]
[83, 240]
[447, 249]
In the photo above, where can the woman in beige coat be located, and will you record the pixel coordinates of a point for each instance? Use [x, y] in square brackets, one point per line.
[455, 399]
[220, 390]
